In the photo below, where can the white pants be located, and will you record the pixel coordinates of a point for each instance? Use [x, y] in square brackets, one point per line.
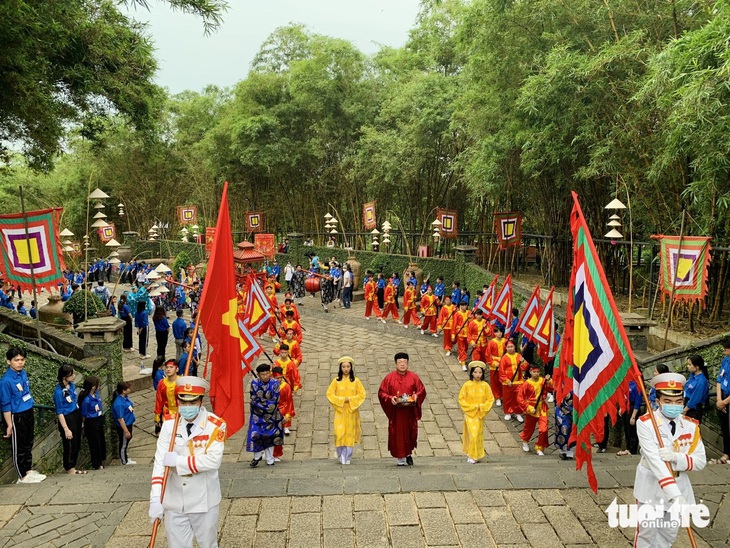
[656, 537]
[344, 453]
[268, 453]
[180, 529]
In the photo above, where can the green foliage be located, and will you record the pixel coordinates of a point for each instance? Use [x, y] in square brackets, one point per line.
[182, 261]
[83, 300]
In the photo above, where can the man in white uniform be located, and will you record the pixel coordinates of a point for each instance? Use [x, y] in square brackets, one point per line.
[193, 493]
[655, 482]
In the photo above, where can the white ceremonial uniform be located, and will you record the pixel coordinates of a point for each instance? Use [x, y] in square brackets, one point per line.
[193, 492]
[654, 483]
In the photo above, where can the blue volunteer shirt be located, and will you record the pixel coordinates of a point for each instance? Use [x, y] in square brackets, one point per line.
[456, 297]
[123, 408]
[162, 324]
[159, 375]
[141, 319]
[635, 399]
[723, 376]
[65, 399]
[178, 328]
[91, 407]
[439, 290]
[15, 392]
[696, 390]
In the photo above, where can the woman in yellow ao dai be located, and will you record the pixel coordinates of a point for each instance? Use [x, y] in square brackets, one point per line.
[346, 394]
[475, 399]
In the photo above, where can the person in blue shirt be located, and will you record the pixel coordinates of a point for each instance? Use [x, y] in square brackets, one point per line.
[69, 418]
[380, 290]
[276, 270]
[123, 414]
[33, 312]
[722, 387]
[658, 370]
[21, 308]
[66, 293]
[162, 329]
[92, 420]
[629, 420]
[439, 289]
[456, 293]
[413, 279]
[193, 371]
[17, 403]
[125, 314]
[178, 332]
[142, 322]
[396, 284]
[158, 371]
[696, 389]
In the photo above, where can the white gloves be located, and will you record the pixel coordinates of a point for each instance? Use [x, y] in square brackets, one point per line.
[667, 455]
[156, 509]
[170, 459]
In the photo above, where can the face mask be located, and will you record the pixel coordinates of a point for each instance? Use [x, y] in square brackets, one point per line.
[189, 412]
[672, 410]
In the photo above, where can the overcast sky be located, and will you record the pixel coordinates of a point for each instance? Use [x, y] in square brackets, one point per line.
[190, 60]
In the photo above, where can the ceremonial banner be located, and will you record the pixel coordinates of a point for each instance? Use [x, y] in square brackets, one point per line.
[691, 266]
[209, 238]
[449, 222]
[508, 226]
[368, 216]
[544, 334]
[528, 321]
[265, 244]
[502, 308]
[258, 306]
[187, 215]
[595, 351]
[107, 233]
[254, 221]
[223, 329]
[485, 303]
[46, 256]
[77, 249]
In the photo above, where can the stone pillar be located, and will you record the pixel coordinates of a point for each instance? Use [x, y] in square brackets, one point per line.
[467, 252]
[103, 337]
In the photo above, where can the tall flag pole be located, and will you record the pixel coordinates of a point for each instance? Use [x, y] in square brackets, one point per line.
[528, 320]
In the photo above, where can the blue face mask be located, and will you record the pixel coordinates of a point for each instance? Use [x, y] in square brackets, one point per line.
[672, 410]
[189, 412]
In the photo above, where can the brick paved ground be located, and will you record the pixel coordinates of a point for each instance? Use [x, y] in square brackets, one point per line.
[512, 499]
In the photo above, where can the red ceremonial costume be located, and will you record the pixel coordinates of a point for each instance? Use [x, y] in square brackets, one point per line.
[511, 369]
[295, 351]
[291, 372]
[389, 306]
[402, 419]
[535, 415]
[461, 332]
[272, 313]
[409, 307]
[291, 324]
[286, 408]
[428, 307]
[446, 323]
[371, 303]
[286, 307]
[495, 351]
[479, 334]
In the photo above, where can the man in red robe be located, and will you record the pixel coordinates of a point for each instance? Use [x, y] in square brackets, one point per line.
[401, 396]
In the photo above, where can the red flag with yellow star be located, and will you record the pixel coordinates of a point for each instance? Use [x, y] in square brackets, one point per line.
[219, 318]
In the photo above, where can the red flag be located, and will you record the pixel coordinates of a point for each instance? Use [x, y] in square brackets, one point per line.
[258, 307]
[502, 307]
[485, 303]
[544, 334]
[219, 318]
[528, 321]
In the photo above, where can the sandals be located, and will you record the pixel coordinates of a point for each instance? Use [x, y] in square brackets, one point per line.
[723, 460]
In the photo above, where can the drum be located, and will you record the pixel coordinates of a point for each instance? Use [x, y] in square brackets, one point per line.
[312, 284]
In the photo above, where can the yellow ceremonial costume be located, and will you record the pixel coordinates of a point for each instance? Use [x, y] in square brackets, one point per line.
[347, 415]
[475, 399]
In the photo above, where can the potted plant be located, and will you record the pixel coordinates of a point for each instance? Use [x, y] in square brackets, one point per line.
[75, 306]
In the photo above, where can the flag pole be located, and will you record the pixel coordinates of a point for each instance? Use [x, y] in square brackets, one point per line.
[674, 280]
[156, 524]
[655, 425]
[30, 263]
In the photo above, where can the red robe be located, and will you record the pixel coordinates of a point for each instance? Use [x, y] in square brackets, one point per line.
[402, 420]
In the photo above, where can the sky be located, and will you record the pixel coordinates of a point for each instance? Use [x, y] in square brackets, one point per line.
[189, 60]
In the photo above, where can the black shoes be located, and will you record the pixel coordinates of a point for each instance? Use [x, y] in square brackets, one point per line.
[409, 460]
[255, 462]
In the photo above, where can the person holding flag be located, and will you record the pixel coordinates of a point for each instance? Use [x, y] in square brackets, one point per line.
[531, 398]
[192, 495]
[428, 307]
[495, 350]
[479, 332]
[460, 333]
[409, 306]
[511, 369]
[446, 323]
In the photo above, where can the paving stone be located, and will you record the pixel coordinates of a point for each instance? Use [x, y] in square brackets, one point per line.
[256, 487]
[401, 509]
[370, 529]
[305, 530]
[541, 534]
[427, 482]
[569, 529]
[301, 505]
[502, 526]
[488, 498]
[38, 540]
[438, 529]
[337, 512]
[339, 538]
[583, 505]
[365, 503]
[463, 508]
[102, 492]
[406, 536]
[270, 539]
[377, 484]
[8, 511]
[430, 500]
[474, 535]
[547, 497]
[524, 507]
[323, 486]
[274, 515]
[243, 507]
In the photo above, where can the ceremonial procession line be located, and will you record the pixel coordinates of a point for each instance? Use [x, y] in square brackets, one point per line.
[309, 499]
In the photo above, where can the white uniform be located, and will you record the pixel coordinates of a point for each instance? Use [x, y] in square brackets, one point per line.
[193, 492]
[654, 482]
